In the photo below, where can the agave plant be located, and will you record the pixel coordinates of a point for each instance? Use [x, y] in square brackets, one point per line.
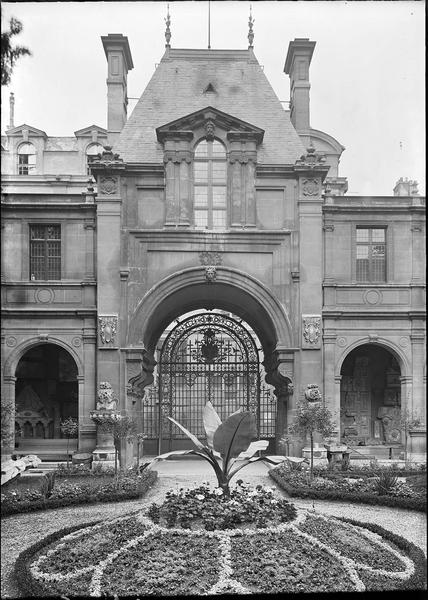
[227, 443]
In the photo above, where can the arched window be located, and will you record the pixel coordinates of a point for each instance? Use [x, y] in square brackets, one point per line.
[209, 170]
[92, 150]
[26, 159]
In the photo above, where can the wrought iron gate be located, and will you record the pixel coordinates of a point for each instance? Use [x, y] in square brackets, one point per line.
[209, 356]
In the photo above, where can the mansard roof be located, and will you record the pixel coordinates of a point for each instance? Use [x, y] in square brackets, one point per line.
[181, 86]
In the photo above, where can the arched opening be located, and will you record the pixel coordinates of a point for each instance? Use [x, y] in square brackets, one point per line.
[26, 159]
[210, 179]
[46, 393]
[205, 355]
[370, 399]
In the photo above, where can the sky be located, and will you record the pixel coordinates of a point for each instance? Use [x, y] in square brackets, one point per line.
[367, 72]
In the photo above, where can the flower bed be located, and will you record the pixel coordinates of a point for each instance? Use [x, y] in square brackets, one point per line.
[132, 555]
[296, 484]
[201, 508]
[67, 493]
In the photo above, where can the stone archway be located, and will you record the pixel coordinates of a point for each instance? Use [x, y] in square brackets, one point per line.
[41, 382]
[371, 398]
[224, 289]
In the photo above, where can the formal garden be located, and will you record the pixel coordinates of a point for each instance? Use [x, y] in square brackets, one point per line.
[230, 537]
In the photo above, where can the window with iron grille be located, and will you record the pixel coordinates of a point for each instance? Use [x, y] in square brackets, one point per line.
[45, 252]
[371, 254]
[209, 172]
[26, 159]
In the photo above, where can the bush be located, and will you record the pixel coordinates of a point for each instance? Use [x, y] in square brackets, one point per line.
[68, 494]
[385, 480]
[299, 488]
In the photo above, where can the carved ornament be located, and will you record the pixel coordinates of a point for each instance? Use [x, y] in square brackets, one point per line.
[310, 187]
[209, 129]
[311, 328]
[210, 258]
[107, 326]
[313, 393]
[105, 397]
[108, 185]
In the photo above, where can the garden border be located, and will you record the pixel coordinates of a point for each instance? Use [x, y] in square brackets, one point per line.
[416, 504]
[30, 586]
[47, 504]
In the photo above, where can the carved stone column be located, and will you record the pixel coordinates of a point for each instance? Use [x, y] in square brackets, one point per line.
[8, 417]
[177, 160]
[243, 158]
[279, 373]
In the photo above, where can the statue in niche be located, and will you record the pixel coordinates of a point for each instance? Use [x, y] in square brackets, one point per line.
[106, 400]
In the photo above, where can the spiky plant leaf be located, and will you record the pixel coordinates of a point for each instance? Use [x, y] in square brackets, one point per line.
[235, 435]
[254, 447]
[192, 437]
[211, 422]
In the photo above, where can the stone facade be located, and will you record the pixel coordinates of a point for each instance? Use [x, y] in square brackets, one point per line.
[284, 259]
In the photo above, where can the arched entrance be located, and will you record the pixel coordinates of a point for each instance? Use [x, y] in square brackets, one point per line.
[46, 393]
[207, 356]
[370, 398]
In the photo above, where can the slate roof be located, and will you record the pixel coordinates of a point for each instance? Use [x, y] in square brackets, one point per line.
[176, 89]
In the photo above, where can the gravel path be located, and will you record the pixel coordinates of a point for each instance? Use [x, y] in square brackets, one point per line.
[20, 531]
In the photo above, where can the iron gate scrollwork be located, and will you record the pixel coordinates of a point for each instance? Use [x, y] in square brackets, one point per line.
[210, 356]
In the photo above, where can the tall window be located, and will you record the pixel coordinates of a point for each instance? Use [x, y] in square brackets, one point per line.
[45, 252]
[26, 159]
[92, 150]
[210, 185]
[371, 251]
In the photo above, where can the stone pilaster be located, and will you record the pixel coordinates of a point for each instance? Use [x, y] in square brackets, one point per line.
[311, 171]
[108, 169]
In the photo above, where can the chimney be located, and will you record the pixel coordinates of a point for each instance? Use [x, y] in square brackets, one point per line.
[297, 63]
[406, 187]
[119, 61]
[11, 111]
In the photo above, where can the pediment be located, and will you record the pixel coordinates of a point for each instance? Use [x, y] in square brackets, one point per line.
[23, 130]
[90, 130]
[187, 124]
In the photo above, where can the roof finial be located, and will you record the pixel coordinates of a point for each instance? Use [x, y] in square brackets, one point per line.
[250, 30]
[168, 30]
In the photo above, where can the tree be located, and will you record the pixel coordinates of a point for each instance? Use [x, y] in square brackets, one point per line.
[122, 428]
[312, 417]
[69, 428]
[10, 53]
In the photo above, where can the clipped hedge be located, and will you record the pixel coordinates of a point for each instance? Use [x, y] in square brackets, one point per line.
[148, 478]
[305, 491]
[21, 571]
[418, 580]
[32, 588]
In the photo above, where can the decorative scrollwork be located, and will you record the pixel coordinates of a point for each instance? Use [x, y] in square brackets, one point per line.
[107, 325]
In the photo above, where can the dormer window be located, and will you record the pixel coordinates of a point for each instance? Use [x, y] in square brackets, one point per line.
[92, 150]
[26, 159]
[210, 178]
